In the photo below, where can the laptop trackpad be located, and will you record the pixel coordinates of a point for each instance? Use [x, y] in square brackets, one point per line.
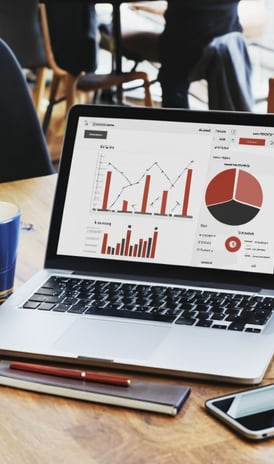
[111, 340]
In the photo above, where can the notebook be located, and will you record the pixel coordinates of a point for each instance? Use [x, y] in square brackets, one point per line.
[157, 397]
[160, 250]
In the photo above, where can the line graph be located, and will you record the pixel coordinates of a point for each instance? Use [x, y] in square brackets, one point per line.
[156, 190]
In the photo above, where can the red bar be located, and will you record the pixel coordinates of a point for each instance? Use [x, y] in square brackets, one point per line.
[154, 242]
[104, 244]
[135, 249]
[140, 246]
[128, 234]
[251, 141]
[145, 195]
[106, 191]
[164, 202]
[125, 205]
[187, 192]
[117, 248]
[144, 250]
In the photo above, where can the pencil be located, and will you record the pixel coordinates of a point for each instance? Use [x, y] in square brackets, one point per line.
[70, 373]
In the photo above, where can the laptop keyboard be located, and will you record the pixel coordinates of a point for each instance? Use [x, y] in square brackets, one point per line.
[203, 308]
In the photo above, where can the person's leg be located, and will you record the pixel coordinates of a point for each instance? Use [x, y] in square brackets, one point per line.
[174, 93]
[176, 61]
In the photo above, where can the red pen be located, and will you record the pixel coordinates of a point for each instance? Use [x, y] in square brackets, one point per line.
[70, 373]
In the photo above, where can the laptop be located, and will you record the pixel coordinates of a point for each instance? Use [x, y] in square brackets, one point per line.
[160, 250]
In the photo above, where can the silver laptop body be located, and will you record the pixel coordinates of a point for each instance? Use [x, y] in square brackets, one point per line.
[169, 201]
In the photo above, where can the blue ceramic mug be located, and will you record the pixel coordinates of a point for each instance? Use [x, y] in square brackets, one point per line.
[9, 238]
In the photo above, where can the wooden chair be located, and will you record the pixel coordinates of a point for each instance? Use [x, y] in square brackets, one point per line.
[24, 27]
[86, 83]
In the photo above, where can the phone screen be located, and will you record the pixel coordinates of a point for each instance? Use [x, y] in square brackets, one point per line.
[251, 412]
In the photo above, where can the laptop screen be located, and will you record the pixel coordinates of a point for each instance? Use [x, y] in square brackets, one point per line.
[183, 188]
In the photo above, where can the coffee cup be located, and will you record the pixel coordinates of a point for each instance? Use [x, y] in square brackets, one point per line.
[9, 238]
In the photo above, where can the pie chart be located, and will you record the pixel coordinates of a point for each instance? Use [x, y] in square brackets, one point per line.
[234, 197]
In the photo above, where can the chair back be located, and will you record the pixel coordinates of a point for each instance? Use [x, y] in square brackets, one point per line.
[20, 28]
[23, 151]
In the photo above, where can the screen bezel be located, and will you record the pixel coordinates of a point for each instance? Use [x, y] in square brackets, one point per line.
[147, 271]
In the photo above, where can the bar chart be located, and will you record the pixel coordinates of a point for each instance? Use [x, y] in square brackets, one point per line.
[140, 248]
[152, 192]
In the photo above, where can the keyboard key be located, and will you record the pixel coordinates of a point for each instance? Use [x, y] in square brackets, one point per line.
[185, 321]
[252, 330]
[31, 305]
[204, 323]
[77, 309]
[124, 313]
[38, 297]
[46, 306]
[62, 308]
[237, 326]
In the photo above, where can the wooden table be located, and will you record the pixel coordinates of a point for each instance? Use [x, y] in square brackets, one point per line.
[41, 429]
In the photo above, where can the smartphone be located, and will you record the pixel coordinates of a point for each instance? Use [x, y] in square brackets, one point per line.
[250, 413]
